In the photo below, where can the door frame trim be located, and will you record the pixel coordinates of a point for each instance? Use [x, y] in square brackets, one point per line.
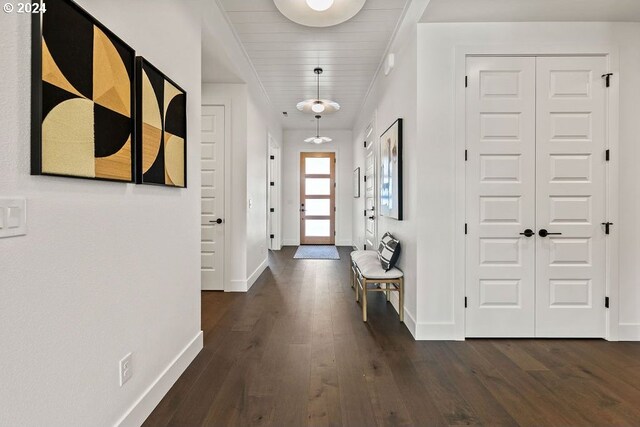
[331, 155]
[611, 54]
[226, 104]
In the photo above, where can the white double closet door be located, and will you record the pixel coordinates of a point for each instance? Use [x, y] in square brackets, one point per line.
[536, 140]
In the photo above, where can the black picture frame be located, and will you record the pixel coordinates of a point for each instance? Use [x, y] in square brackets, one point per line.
[391, 171]
[38, 86]
[143, 64]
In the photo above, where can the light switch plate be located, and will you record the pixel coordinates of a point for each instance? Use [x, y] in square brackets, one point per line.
[13, 217]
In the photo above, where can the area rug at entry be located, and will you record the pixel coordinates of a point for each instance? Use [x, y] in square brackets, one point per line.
[317, 252]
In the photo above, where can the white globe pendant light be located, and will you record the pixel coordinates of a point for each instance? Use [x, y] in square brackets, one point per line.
[318, 139]
[320, 5]
[317, 105]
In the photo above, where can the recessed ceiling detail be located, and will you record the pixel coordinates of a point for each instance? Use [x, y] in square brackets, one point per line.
[319, 13]
[317, 105]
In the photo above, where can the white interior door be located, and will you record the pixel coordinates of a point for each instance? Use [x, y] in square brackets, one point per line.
[571, 143]
[370, 218]
[500, 182]
[212, 217]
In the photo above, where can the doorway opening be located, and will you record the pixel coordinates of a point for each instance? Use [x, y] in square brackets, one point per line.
[317, 198]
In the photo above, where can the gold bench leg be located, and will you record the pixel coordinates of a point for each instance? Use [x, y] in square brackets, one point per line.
[364, 300]
[388, 291]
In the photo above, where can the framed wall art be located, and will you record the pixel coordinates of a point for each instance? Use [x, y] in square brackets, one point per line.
[82, 104]
[162, 128]
[391, 171]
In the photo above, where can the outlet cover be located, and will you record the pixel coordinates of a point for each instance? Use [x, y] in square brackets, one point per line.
[126, 369]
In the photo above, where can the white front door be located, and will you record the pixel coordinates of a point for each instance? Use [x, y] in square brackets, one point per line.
[536, 142]
[500, 197]
[370, 214]
[212, 217]
[571, 143]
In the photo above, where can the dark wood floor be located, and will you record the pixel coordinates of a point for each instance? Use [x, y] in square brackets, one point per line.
[294, 352]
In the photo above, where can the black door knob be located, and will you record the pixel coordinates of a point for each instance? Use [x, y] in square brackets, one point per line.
[372, 218]
[528, 233]
[545, 233]
[217, 221]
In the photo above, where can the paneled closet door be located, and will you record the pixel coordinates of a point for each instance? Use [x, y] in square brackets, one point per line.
[500, 185]
[571, 143]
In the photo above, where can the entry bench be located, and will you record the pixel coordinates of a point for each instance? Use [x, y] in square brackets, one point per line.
[368, 275]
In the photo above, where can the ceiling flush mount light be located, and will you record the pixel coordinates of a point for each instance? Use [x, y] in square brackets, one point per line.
[318, 139]
[320, 5]
[319, 13]
[317, 105]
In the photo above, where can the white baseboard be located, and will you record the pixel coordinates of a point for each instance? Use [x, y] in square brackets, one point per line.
[290, 242]
[236, 286]
[436, 332]
[409, 321]
[344, 243]
[245, 285]
[629, 332]
[258, 271]
[143, 407]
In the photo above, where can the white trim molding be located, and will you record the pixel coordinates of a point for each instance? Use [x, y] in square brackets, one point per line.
[629, 332]
[142, 408]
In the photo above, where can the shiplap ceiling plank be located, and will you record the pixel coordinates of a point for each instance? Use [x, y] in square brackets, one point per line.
[284, 55]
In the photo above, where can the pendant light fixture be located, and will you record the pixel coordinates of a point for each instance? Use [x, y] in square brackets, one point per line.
[319, 13]
[318, 139]
[317, 105]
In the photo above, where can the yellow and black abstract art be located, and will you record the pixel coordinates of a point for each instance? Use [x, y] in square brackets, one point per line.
[161, 128]
[83, 97]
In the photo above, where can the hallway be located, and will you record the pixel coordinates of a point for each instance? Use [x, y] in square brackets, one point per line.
[294, 351]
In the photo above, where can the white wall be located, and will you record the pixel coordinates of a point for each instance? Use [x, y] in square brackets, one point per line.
[440, 312]
[106, 268]
[393, 97]
[294, 145]
[247, 170]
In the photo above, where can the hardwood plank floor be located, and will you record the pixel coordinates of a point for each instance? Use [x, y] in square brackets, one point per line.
[294, 352]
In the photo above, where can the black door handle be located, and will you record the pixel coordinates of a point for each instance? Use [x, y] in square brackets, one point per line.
[372, 218]
[217, 221]
[528, 233]
[545, 233]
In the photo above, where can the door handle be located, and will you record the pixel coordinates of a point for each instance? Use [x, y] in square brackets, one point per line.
[217, 221]
[372, 218]
[528, 233]
[545, 233]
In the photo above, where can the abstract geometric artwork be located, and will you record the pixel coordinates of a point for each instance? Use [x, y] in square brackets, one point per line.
[82, 97]
[391, 171]
[162, 128]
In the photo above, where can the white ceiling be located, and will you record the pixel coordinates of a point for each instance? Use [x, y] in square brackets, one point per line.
[531, 10]
[284, 55]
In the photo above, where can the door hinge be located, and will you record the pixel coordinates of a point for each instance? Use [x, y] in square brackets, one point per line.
[465, 302]
[272, 184]
[272, 210]
[607, 227]
[365, 246]
[466, 228]
[466, 81]
[606, 302]
[273, 236]
[365, 144]
[365, 178]
[607, 78]
[272, 157]
[607, 155]
[365, 212]
[466, 155]
[335, 209]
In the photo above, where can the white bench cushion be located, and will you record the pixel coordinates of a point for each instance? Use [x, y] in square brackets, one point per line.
[370, 268]
[358, 255]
